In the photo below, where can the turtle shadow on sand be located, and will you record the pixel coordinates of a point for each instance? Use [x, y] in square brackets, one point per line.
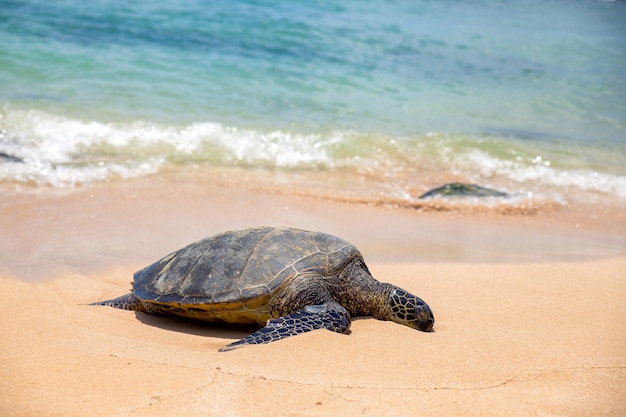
[196, 327]
[202, 328]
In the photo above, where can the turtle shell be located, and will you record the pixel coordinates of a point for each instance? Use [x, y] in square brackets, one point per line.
[239, 270]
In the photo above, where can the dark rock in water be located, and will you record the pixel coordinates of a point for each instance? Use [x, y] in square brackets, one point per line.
[458, 189]
[10, 158]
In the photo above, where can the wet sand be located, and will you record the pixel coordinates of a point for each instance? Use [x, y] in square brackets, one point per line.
[530, 312]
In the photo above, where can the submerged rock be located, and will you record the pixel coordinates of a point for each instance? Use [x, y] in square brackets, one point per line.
[458, 189]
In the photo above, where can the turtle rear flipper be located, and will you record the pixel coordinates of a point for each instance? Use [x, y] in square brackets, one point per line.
[125, 302]
[331, 316]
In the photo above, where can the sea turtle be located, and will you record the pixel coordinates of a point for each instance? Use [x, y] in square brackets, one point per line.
[290, 280]
[459, 189]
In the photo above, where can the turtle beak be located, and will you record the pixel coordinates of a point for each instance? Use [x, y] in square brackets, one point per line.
[425, 319]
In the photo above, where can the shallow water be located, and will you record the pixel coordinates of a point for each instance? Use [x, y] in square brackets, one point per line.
[379, 100]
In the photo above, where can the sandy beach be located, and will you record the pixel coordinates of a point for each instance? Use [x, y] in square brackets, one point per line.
[530, 312]
[131, 130]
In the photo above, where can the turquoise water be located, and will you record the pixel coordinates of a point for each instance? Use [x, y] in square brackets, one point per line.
[527, 95]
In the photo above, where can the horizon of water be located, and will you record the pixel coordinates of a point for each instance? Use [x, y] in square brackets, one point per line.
[526, 96]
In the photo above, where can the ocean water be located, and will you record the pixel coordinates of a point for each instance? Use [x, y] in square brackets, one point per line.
[376, 99]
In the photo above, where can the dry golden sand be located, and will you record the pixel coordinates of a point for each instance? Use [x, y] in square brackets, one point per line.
[511, 339]
[536, 327]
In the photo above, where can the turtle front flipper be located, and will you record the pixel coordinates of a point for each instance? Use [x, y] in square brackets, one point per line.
[331, 316]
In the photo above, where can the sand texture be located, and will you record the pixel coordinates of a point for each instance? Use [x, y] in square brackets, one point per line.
[536, 339]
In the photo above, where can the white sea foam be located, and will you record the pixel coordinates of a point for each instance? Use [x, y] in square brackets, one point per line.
[60, 151]
[542, 173]
[42, 173]
[56, 150]
[275, 148]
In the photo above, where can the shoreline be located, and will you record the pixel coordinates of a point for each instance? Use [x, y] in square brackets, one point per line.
[54, 231]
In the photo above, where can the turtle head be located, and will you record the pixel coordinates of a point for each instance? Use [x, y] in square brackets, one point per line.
[405, 308]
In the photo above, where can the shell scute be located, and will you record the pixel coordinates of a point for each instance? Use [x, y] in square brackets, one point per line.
[223, 297]
[316, 263]
[255, 292]
[328, 243]
[286, 275]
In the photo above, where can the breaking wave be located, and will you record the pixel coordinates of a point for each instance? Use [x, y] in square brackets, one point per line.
[43, 149]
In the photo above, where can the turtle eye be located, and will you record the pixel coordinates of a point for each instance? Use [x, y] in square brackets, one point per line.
[410, 310]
